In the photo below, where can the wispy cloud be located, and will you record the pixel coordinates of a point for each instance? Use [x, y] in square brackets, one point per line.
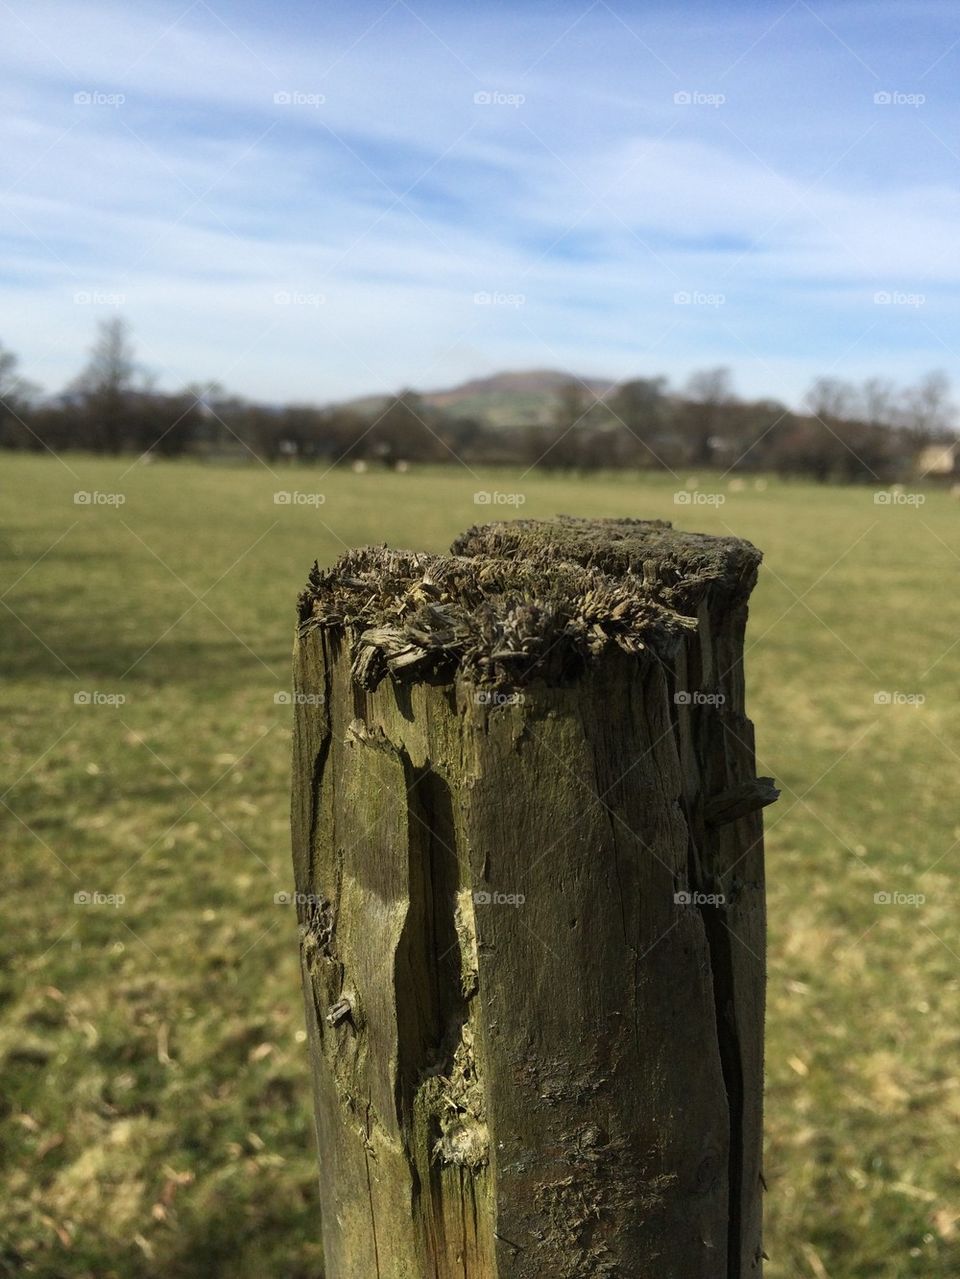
[327, 193]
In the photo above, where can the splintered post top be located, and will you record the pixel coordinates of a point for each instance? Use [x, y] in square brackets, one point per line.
[674, 566]
[525, 599]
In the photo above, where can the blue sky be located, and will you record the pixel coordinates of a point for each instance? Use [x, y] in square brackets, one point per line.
[307, 201]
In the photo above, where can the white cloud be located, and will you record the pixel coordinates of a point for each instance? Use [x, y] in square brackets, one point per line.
[597, 199]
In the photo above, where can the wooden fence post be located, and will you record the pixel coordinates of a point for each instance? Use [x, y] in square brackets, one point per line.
[529, 872]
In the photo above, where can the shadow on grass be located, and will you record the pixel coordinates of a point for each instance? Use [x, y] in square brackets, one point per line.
[83, 653]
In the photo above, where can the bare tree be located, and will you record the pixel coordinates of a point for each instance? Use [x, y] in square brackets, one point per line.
[108, 384]
[570, 437]
[641, 406]
[571, 406]
[402, 431]
[8, 372]
[928, 412]
[878, 402]
[14, 389]
[831, 399]
[709, 393]
[15, 394]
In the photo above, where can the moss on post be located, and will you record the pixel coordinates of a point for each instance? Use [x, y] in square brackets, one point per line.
[528, 857]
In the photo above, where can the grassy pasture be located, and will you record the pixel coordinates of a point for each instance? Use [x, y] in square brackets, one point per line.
[155, 1107]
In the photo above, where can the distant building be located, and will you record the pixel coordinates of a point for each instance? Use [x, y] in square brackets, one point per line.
[939, 461]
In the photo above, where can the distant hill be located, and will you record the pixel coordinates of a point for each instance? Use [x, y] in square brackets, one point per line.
[524, 398]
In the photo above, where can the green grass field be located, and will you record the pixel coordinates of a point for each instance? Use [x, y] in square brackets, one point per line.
[155, 1105]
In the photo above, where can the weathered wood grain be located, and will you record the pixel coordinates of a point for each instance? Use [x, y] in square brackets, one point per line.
[529, 867]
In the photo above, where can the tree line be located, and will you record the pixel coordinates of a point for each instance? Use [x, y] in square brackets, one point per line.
[847, 432]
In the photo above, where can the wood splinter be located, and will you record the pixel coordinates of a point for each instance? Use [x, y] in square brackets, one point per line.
[340, 1011]
[740, 800]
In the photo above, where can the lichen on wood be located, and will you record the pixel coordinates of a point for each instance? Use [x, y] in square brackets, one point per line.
[674, 567]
